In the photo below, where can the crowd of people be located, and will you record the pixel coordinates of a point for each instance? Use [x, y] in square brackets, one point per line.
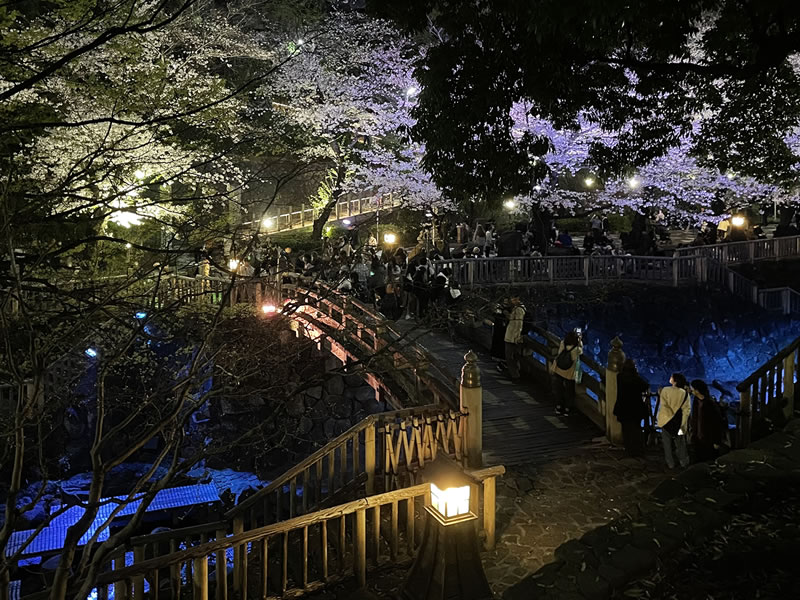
[399, 284]
[687, 415]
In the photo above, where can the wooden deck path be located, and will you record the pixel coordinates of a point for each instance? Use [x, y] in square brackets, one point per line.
[519, 421]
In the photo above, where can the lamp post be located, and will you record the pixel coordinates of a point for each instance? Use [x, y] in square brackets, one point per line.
[448, 563]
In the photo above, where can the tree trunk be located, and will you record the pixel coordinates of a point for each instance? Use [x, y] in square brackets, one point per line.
[325, 213]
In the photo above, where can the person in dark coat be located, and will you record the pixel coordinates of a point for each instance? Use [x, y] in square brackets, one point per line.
[498, 334]
[705, 423]
[630, 408]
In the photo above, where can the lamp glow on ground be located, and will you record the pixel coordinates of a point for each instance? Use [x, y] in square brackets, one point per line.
[448, 562]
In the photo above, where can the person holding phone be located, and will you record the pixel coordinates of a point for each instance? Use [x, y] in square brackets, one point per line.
[673, 419]
[564, 370]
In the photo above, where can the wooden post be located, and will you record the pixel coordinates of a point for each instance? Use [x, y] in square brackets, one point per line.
[222, 568]
[745, 417]
[616, 357]
[138, 581]
[200, 579]
[489, 509]
[471, 394]
[788, 382]
[302, 215]
[360, 548]
[675, 269]
[238, 527]
[586, 269]
[369, 457]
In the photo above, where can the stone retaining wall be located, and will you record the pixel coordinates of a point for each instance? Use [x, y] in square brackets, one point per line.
[688, 507]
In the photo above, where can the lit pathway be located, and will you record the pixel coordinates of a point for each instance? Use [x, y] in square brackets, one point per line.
[519, 423]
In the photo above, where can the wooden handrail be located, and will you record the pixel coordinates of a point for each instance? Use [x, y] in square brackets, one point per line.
[183, 532]
[772, 362]
[203, 550]
[298, 468]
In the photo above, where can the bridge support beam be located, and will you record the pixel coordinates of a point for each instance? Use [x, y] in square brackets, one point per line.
[616, 357]
[471, 394]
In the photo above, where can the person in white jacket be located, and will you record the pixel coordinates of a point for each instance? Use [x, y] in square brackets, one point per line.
[671, 400]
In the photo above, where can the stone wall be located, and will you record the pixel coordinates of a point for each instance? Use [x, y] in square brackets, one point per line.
[688, 507]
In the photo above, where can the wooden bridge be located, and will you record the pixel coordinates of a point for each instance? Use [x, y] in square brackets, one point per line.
[305, 530]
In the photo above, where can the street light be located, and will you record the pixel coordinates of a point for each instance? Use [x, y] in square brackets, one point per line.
[448, 562]
[589, 181]
[389, 238]
[233, 264]
[737, 221]
[510, 204]
[268, 309]
[268, 223]
[633, 182]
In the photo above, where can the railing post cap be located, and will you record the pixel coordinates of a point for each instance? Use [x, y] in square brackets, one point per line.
[616, 357]
[470, 372]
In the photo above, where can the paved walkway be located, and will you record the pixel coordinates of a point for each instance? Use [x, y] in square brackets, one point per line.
[519, 423]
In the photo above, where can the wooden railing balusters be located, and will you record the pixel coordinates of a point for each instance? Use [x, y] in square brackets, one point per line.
[285, 564]
[221, 568]
[360, 547]
[305, 557]
[376, 535]
[324, 542]
[200, 579]
[264, 568]
[395, 539]
[410, 525]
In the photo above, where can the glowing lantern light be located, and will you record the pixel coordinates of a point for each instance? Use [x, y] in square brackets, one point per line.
[589, 181]
[510, 204]
[633, 182]
[141, 315]
[90, 352]
[269, 223]
[737, 221]
[389, 238]
[450, 502]
[268, 309]
[233, 264]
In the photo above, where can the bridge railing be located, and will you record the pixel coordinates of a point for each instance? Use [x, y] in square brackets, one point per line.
[286, 218]
[286, 559]
[381, 449]
[769, 392]
[550, 269]
[748, 251]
